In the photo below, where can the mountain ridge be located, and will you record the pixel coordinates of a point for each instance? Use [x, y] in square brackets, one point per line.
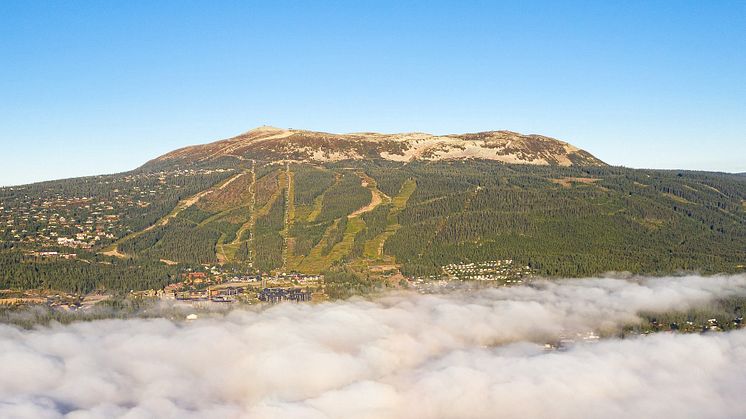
[267, 143]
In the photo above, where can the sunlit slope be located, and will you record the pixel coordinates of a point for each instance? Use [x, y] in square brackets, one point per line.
[302, 146]
[420, 216]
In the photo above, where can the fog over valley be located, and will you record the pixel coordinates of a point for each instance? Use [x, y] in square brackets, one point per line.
[372, 210]
[523, 351]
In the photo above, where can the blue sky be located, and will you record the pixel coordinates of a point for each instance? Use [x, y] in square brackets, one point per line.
[101, 87]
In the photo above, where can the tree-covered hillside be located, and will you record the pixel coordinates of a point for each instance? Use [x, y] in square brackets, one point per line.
[136, 230]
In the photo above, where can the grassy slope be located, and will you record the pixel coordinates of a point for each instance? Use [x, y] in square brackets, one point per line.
[184, 204]
[373, 249]
[561, 221]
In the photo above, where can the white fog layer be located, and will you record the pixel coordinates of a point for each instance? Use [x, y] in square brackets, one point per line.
[470, 354]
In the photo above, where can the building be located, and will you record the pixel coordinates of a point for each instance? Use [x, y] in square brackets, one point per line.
[277, 295]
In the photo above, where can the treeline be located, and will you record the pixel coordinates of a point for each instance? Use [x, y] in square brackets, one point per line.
[727, 314]
[268, 241]
[310, 182]
[610, 219]
[375, 224]
[344, 197]
[307, 236]
[179, 241]
[389, 176]
[336, 235]
[343, 283]
[82, 276]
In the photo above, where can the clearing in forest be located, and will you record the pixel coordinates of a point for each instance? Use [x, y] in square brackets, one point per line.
[568, 181]
[228, 250]
[318, 203]
[289, 216]
[113, 250]
[377, 197]
[316, 261]
[373, 248]
[248, 227]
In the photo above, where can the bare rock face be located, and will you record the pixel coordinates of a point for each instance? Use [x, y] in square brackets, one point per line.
[277, 144]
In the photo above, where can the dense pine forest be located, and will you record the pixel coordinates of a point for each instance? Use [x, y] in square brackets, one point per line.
[136, 230]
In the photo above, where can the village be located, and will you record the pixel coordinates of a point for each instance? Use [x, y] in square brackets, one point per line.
[70, 220]
[213, 286]
[221, 284]
[201, 288]
[499, 272]
[504, 270]
[216, 285]
[225, 284]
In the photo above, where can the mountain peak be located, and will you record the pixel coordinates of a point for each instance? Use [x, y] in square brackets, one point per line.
[268, 143]
[264, 129]
[267, 128]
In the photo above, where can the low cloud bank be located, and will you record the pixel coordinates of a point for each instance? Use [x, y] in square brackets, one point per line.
[470, 354]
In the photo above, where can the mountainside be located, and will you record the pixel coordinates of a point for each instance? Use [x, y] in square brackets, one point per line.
[275, 144]
[256, 204]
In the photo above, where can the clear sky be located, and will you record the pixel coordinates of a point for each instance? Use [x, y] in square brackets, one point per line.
[102, 86]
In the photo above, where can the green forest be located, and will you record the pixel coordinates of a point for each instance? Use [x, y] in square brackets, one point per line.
[337, 217]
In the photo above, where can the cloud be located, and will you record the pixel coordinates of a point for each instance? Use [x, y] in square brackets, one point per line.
[468, 354]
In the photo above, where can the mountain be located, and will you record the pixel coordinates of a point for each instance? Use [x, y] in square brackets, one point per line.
[376, 207]
[275, 144]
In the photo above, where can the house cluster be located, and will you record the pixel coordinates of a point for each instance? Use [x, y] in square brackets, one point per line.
[712, 325]
[53, 255]
[220, 295]
[59, 217]
[54, 299]
[228, 293]
[210, 275]
[78, 222]
[692, 325]
[434, 285]
[293, 278]
[224, 285]
[494, 270]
